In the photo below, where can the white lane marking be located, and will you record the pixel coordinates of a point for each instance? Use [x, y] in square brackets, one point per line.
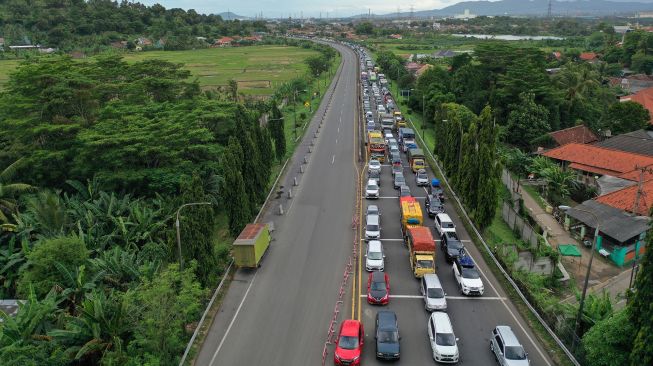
[336, 141]
[397, 197]
[333, 158]
[338, 129]
[363, 239]
[495, 298]
[233, 320]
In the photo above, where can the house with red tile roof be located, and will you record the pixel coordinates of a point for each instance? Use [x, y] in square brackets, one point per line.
[624, 199]
[412, 67]
[643, 97]
[222, 42]
[592, 162]
[590, 57]
[395, 36]
[578, 134]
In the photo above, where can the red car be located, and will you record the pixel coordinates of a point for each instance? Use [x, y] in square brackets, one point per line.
[378, 288]
[350, 343]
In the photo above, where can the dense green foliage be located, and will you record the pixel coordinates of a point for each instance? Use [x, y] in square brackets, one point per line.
[641, 309]
[77, 24]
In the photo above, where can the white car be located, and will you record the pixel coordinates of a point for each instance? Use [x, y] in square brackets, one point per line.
[372, 226]
[469, 281]
[444, 343]
[388, 136]
[372, 189]
[374, 165]
[374, 256]
[444, 223]
[421, 178]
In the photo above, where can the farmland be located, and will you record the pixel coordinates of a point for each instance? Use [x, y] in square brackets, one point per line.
[257, 69]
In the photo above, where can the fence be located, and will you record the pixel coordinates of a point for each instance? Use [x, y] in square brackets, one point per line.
[520, 226]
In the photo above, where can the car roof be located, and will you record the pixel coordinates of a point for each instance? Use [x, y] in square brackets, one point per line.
[442, 322]
[378, 276]
[444, 217]
[387, 318]
[432, 280]
[509, 337]
[374, 245]
[349, 327]
[373, 219]
[371, 181]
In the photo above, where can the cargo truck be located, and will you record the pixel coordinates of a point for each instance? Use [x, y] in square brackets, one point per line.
[416, 159]
[421, 248]
[376, 145]
[407, 138]
[411, 215]
[386, 120]
[400, 122]
[251, 245]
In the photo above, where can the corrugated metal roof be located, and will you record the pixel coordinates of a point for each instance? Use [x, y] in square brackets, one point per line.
[638, 142]
[612, 222]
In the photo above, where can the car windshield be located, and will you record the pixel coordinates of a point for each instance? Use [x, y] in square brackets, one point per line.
[448, 225]
[372, 227]
[435, 293]
[424, 264]
[454, 245]
[515, 353]
[422, 176]
[388, 336]
[377, 286]
[348, 342]
[372, 187]
[399, 178]
[374, 255]
[470, 273]
[445, 339]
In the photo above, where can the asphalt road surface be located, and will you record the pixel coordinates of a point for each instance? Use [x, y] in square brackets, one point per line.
[473, 318]
[279, 314]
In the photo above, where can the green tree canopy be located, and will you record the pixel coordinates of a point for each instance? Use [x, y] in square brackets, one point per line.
[626, 117]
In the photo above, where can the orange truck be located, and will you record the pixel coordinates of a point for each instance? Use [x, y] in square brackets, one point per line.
[411, 215]
[421, 248]
[376, 145]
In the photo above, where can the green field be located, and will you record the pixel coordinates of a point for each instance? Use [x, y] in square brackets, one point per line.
[257, 69]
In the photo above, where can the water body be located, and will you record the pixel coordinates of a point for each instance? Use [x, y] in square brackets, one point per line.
[507, 37]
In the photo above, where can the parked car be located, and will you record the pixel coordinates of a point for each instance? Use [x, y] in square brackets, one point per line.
[399, 180]
[506, 347]
[451, 245]
[372, 189]
[374, 256]
[468, 279]
[372, 227]
[349, 345]
[386, 334]
[433, 205]
[404, 191]
[378, 288]
[433, 293]
[444, 223]
[373, 210]
[376, 176]
[444, 343]
[374, 165]
[421, 178]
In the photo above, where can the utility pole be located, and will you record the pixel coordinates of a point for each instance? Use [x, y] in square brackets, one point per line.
[548, 14]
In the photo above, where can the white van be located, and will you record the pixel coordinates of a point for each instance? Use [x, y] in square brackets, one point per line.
[444, 343]
[374, 256]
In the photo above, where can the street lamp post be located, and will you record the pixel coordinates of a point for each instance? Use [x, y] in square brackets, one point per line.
[181, 259]
[587, 275]
[423, 118]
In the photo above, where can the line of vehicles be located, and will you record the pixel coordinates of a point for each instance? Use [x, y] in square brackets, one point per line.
[384, 149]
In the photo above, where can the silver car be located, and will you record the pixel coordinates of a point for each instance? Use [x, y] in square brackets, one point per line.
[433, 293]
[506, 347]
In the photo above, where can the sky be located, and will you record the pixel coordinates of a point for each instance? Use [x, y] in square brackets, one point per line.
[295, 8]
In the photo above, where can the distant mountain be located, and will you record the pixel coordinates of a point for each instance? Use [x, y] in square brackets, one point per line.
[227, 15]
[535, 8]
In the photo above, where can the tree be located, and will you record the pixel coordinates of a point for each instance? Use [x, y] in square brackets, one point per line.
[366, 28]
[641, 311]
[317, 64]
[276, 127]
[488, 172]
[158, 311]
[33, 321]
[559, 183]
[232, 89]
[234, 195]
[609, 342]
[626, 117]
[41, 271]
[527, 120]
[10, 191]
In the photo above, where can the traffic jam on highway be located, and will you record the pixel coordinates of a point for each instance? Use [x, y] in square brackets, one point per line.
[404, 222]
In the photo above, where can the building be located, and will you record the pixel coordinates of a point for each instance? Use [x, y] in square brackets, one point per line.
[592, 162]
[643, 97]
[396, 36]
[637, 142]
[621, 235]
[589, 57]
[412, 67]
[577, 134]
[223, 42]
[633, 83]
[444, 54]
[636, 199]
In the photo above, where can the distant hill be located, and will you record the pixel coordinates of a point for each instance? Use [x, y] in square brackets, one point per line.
[227, 15]
[536, 8]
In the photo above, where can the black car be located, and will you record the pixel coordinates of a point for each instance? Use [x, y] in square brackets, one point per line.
[387, 335]
[433, 205]
[451, 246]
[376, 175]
[399, 180]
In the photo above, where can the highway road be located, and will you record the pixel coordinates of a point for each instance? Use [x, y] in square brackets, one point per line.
[473, 318]
[279, 314]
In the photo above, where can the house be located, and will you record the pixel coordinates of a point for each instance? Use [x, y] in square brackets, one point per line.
[556, 55]
[119, 44]
[444, 54]
[223, 42]
[637, 142]
[643, 97]
[395, 36]
[622, 236]
[412, 67]
[590, 57]
[634, 199]
[578, 134]
[591, 162]
[144, 42]
[632, 83]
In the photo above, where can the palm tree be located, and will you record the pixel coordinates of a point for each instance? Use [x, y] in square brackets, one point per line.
[559, 183]
[9, 191]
